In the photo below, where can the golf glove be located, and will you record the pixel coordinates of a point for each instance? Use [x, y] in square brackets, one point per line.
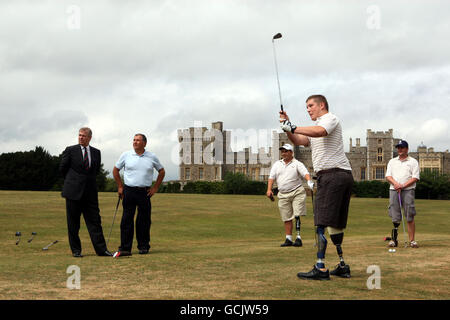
[310, 184]
[287, 126]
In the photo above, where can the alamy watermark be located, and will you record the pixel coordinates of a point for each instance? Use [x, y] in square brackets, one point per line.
[199, 145]
[73, 21]
[374, 17]
[74, 280]
[374, 281]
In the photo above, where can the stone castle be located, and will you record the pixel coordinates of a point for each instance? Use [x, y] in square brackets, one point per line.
[206, 154]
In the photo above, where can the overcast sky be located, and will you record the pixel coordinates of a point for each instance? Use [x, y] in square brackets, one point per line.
[122, 67]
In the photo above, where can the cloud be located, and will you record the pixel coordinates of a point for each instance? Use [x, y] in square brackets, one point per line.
[156, 66]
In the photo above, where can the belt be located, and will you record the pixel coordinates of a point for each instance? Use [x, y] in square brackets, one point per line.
[333, 170]
[137, 188]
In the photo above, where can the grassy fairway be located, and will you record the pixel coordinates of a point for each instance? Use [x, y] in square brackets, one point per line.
[218, 247]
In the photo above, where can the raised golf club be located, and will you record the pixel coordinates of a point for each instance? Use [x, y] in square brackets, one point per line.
[18, 234]
[32, 237]
[114, 218]
[49, 245]
[403, 219]
[277, 36]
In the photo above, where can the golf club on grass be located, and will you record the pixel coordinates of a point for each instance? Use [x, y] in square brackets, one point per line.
[312, 200]
[403, 219]
[277, 36]
[49, 245]
[18, 234]
[32, 236]
[114, 218]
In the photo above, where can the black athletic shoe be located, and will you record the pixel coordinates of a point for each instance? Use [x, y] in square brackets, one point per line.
[287, 243]
[122, 253]
[143, 251]
[341, 271]
[298, 242]
[314, 274]
[77, 255]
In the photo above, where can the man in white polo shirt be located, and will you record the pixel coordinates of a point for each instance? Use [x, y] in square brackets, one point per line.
[402, 173]
[289, 174]
[138, 165]
[334, 181]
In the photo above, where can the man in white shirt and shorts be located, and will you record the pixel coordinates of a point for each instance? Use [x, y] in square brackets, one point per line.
[402, 173]
[289, 174]
[334, 181]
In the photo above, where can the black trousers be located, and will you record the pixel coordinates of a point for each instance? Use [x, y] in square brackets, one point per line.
[88, 206]
[132, 198]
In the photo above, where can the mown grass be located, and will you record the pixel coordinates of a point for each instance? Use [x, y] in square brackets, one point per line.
[218, 247]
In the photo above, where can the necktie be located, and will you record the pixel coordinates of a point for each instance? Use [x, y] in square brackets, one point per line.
[86, 159]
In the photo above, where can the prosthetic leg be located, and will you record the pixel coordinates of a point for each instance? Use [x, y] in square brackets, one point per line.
[298, 240]
[342, 269]
[394, 234]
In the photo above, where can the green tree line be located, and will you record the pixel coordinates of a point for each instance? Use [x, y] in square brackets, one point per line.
[39, 170]
[36, 170]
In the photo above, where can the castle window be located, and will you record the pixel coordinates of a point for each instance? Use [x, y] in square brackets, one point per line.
[187, 174]
[380, 155]
[363, 173]
[379, 173]
[200, 173]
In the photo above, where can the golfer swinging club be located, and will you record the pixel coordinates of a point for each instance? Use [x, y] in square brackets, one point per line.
[288, 173]
[334, 181]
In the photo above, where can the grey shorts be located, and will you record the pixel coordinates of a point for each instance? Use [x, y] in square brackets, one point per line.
[409, 209]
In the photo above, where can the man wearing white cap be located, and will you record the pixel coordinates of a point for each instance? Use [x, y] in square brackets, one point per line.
[402, 173]
[289, 174]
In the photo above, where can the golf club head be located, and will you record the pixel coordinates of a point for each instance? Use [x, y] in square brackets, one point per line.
[18, 234]
[277, 36]
[32, 236]
[48, 246]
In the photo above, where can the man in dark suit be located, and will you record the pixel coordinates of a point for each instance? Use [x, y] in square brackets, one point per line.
[80, 165]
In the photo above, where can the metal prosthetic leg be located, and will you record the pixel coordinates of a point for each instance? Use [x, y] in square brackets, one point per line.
[337, 241]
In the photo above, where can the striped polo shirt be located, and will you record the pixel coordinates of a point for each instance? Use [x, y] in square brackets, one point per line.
[328, 152]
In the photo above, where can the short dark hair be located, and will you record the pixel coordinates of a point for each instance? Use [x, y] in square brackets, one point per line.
[144, 138]
[320, 99]
[86, 130]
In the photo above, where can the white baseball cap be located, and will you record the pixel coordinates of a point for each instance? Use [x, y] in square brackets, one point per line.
[287, 147]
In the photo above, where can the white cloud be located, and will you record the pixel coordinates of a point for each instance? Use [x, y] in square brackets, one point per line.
[155, 66]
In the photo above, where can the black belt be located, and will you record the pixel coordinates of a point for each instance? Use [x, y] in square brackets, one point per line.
[137, 188]
[333, 170]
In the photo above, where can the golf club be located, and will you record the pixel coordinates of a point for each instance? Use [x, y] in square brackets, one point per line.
[49, 245]
[32, 236]
[18, 234]
[403, 219]
[114, 218]
[312, 200]
[277, 36]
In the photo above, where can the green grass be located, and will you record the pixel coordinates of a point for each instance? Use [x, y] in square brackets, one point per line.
[218, 247]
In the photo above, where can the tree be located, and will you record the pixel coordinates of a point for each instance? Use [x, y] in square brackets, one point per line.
[433, 186]
[29, 170]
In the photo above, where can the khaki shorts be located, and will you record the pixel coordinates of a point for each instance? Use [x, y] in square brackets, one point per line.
[292, 204]
[409, 209]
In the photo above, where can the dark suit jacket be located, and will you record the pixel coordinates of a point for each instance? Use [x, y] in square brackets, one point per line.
[77, 179]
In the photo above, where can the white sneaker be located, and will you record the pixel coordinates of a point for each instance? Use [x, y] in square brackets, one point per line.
[414, 244]
[393, 244]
